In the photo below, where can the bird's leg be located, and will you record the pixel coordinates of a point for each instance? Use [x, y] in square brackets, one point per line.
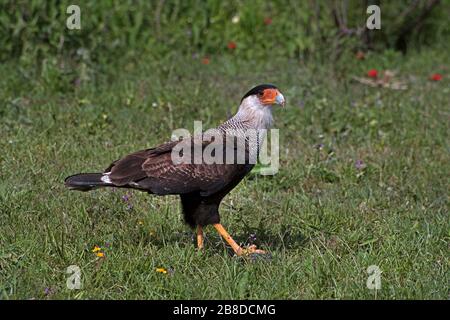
[199, 237]
[236, 248]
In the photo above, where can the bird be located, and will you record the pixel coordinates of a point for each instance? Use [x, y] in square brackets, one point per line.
[201, 169]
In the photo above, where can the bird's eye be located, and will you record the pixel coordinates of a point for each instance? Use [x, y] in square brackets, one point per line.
[260, 94]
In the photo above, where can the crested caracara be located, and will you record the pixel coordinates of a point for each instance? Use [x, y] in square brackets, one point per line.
[178, 168]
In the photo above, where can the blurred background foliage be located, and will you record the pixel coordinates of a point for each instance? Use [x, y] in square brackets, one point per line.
[32, 30]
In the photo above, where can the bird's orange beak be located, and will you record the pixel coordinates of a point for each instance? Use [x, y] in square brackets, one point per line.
[273, 96]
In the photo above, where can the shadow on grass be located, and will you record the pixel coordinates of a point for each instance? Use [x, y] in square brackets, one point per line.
[287, 238]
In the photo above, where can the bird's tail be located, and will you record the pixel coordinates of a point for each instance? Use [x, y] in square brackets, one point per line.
[86, 181]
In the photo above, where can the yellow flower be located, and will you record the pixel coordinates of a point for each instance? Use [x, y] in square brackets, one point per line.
[97, 250]
[140, 222]
[161, 270]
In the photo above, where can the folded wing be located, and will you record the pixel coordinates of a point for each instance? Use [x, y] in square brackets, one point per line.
[155, 171]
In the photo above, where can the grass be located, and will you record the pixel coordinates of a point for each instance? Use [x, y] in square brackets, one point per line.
[323, 220]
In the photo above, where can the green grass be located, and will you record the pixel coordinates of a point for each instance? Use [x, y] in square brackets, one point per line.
[323, 220]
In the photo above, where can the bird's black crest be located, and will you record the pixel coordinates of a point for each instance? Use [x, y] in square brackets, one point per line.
[258, 89]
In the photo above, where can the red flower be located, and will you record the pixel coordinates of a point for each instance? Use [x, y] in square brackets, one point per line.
[267, 21]
[231, 45]
[205, 60]
[372, 73]
[436, 77]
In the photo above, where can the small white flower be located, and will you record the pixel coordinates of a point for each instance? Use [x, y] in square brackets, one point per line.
[235, 19]
[154, 104]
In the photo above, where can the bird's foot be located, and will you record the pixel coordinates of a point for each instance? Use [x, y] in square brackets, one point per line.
[200, 238]
[250, 250]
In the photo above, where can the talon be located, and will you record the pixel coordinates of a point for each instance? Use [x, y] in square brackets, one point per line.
[250, 250]
[236, 248]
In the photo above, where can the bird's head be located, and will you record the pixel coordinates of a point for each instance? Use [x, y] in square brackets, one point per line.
[256, 105]
[264, 95]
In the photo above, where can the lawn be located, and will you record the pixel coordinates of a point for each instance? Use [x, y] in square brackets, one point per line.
[363, 180]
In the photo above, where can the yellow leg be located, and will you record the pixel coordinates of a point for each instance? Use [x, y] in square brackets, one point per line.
[236, 248]
[200, 237]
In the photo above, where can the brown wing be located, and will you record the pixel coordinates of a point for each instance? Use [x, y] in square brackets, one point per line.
[154, 170]
[129, 168]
